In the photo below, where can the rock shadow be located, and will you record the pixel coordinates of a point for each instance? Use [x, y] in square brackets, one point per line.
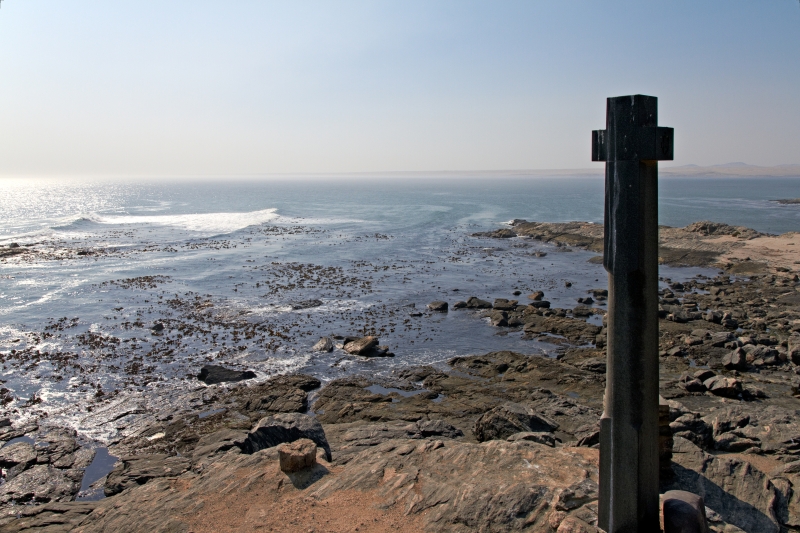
[733, 510]
[305, 478]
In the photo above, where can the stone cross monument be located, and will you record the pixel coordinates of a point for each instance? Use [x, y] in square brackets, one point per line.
[631, 145]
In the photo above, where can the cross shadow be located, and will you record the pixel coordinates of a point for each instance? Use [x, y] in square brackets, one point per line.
[305, 478]
[731, 509]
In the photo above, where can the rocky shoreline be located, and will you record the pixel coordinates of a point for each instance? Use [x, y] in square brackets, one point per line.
[502, 441]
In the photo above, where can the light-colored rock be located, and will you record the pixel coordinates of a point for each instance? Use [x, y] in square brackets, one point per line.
[361, 346]
[325, 344]
[298, 455]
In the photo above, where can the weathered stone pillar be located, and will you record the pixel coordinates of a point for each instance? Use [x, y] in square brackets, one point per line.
[631, 145]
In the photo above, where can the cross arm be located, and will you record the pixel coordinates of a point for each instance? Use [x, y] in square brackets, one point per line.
[644, 143]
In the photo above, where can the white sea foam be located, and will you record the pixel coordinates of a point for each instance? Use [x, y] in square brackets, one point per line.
[206, 223]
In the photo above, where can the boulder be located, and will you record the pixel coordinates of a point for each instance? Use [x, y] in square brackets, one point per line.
[477, 303]
[212, 374]
[735, 360]
[438, 306]
[459, 305]
[325, 344]
[298, 455]
[536, 296]
[502, 304]
[498, 318]
[683, 512]
[722, 386]
[18, 453]
[285, 427]
[361, 346]
[505, 420]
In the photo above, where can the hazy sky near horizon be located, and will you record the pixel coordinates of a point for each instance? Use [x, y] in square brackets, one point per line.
[251, 87]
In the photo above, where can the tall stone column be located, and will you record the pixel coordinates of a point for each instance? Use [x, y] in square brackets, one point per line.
[631, 145]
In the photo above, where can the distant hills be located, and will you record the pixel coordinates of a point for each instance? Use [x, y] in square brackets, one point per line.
[732, 169]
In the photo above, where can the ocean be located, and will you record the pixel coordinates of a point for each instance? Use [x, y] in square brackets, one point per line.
[250, 273]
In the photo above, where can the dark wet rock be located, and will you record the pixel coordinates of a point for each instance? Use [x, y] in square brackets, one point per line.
[460, 305]
[325, 344]
[417, 373]
[572, 329]
[503, 233]
[306, 304]
[477, 303]
[438, 306]
[539, 304]
[503, 304]
[212, 374]
[282, 394]
[361, 346]
[138, 470]
[157, 327]
[508, 419]
[536, 296]
[582, 311]
[285, 427]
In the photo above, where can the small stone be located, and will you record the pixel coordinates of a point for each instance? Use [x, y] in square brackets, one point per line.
[536, 296]
[298, 455]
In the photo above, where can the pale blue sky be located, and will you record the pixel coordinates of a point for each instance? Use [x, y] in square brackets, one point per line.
[246, 87]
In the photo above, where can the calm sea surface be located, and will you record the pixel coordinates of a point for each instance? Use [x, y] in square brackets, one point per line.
[225, 265]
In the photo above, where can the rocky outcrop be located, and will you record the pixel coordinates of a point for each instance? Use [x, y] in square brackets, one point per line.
[505, 420]
[285, 427]
[138, 470]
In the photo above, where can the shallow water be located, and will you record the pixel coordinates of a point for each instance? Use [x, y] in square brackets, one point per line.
[223, 266]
